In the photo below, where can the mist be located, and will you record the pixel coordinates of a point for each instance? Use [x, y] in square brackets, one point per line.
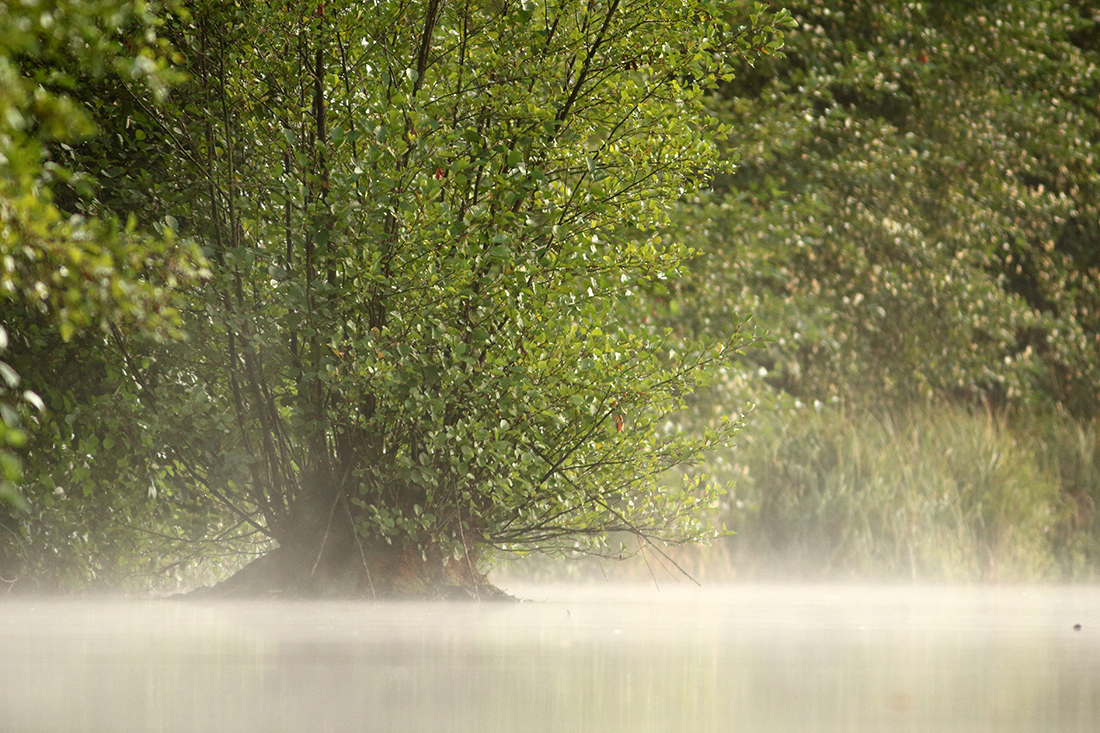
[593, 658]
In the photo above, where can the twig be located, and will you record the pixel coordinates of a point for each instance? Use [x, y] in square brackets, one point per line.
[324, 540]
[466, 551]
[648, 567]
[358, 542]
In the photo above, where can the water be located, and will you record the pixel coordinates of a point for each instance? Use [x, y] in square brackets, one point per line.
[745, 658]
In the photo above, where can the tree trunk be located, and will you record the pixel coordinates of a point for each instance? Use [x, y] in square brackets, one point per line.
[337, 564]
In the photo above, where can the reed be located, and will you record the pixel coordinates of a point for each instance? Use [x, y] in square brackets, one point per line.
[941, 493]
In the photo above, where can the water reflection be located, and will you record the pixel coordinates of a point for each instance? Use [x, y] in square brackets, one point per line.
[752, 658]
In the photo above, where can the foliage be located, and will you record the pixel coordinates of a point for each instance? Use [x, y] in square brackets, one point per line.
[81, 270]
[914, 215]
[66, 269]
[11, 437]
[445, 307]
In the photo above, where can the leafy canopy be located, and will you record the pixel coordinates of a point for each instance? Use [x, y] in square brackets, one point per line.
[915, 215]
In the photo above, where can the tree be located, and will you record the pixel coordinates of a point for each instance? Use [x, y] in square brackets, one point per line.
[65, 272]
[422, 220]
[914, 213]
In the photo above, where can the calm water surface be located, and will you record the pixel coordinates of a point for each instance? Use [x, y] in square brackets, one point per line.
[741, 658]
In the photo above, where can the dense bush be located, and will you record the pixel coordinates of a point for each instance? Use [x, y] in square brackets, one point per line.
[914, 214]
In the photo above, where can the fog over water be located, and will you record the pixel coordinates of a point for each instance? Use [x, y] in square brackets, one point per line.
[577, 658]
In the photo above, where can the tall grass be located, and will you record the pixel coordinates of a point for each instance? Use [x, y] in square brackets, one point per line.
[936, 494]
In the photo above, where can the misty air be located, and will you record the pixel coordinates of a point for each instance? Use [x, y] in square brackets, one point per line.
[549, 365]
